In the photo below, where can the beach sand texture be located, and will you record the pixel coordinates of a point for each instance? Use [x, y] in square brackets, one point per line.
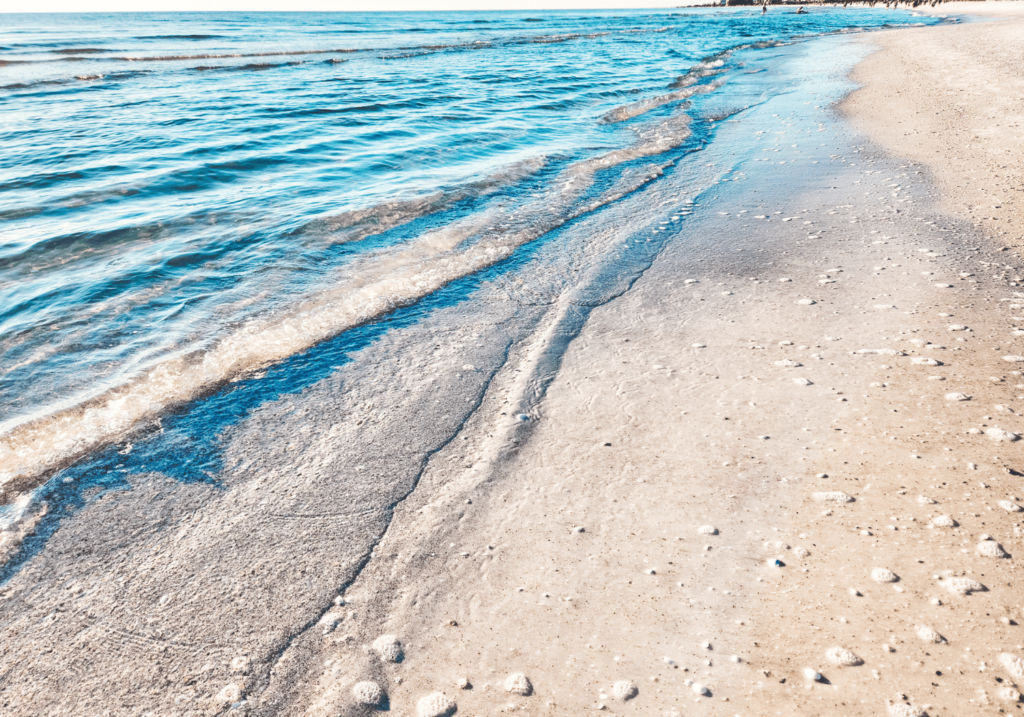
[773, 490]
[779, 475]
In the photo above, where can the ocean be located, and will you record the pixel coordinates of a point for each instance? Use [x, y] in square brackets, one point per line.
[201, 213]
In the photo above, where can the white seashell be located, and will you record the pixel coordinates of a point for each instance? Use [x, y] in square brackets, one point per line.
[924, 361]
[957, 327]
[833, 496]
[806, 302]
[518, 684]
[900, 709]
[707, 530]
[701, 689]
[882, 575]
[998, 434]
[624, 690]
[1009, 506]
[943, 521]
[436, 704]
[388, 648]
[801, 552]
[1009, 694]
[368, 693]
[802, 382]
[1013, 359]
[962, 586]
[1013, 664]
[929, 635]
[786, 363]
[991, 549]
[925, 500]
[229, 694]
[957, 397]
[879, 352]
[843, 658]
[812, 675]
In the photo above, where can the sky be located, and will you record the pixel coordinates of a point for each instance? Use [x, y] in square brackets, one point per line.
[324, 5]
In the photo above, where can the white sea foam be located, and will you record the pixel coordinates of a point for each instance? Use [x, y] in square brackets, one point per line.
[376, 285]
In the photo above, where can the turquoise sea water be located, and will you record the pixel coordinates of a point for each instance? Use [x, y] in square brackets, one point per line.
[189, 199]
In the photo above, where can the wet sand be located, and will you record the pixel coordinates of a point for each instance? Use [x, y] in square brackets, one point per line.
[788, 484]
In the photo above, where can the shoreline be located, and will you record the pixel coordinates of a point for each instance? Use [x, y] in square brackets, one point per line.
[634, 499]
[631, 537]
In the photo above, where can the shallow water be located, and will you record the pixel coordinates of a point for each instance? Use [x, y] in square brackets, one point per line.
[187, 199]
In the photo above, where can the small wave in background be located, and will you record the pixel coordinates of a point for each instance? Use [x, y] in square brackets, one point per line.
[187, 198]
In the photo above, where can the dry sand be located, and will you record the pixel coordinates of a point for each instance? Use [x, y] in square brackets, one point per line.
[728, 500]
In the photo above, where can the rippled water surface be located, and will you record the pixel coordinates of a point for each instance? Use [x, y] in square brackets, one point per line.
[188, 198]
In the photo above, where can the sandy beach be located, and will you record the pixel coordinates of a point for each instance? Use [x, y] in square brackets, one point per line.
[778, 473]
[790, 486]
